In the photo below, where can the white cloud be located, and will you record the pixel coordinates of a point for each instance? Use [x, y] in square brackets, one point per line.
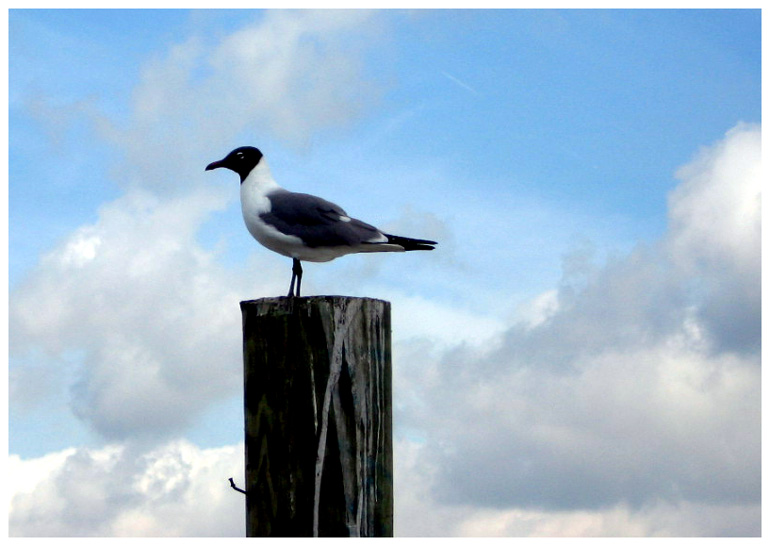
[419, 513]
[176, 489]
[152, 312]
[624, 399]
[625, 402]
[715, 212]
[610, 411]
[295, 72]
[715, 217]
[289, 75]
[148, 314]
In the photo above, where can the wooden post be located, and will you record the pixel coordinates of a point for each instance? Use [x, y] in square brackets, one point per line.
[318, 409]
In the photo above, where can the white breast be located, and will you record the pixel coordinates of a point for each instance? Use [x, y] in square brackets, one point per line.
[254, 201]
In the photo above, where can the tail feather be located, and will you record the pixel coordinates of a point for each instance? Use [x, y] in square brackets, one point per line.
[410, 244]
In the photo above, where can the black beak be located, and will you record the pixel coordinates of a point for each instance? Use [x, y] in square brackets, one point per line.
[215, 165]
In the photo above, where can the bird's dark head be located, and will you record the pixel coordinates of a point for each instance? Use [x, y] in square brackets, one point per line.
[241, 160]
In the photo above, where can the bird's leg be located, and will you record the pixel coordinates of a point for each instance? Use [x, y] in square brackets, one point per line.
[296, 271]
[296, 274]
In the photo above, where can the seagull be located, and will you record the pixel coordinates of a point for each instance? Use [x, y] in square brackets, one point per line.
[300, 226]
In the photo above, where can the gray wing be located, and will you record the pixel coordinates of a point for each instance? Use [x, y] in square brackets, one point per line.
[316, 221]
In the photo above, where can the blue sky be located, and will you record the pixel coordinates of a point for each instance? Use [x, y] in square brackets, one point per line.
[564, 159]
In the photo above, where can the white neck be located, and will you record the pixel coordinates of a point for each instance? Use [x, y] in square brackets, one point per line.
[260, 178]
[254, 190]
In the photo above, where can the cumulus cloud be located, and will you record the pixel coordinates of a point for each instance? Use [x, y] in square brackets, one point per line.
[295, 72]
[626, 397]
[144, 314]
[716, 236]
[175, 489]
[625, 401]
[151, 312]
[287, 75]
[418, 513]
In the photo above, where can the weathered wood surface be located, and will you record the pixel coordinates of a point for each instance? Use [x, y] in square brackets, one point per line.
[318, 409]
